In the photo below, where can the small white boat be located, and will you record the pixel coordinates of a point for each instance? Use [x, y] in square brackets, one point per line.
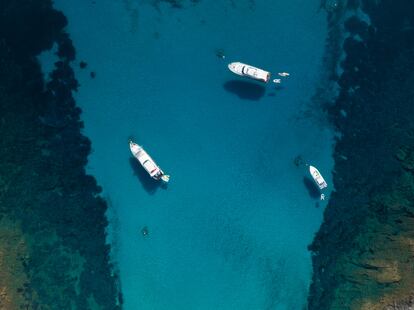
[249, 71]
[147, 162]
[317, 177]
[284, 74]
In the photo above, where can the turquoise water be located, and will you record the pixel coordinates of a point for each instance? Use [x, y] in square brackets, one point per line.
[231, 229]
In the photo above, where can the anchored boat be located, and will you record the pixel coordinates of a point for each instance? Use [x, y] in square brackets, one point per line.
[317, 177]
[249, 71]
[147, 162]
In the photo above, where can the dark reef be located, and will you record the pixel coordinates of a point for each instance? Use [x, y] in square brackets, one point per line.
[176, 4]
[47, 202]
[363, 254]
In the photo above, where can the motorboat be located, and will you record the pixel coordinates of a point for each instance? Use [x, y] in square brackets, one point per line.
[317, 177]
[283, 74]
[249, 71]
[147, 162]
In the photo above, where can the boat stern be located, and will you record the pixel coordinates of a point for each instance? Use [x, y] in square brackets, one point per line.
[263, 76]
[267, 77]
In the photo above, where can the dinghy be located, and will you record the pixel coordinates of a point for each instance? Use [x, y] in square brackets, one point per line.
[249, 71]
[148, 163]
[317, 177]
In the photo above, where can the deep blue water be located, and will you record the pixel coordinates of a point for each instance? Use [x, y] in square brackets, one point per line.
[231, 229]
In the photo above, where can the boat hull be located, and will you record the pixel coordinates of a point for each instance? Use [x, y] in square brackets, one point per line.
[147, 162]
[317, 177]
[249, 71]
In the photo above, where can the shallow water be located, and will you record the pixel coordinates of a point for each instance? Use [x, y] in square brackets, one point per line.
[231, 229]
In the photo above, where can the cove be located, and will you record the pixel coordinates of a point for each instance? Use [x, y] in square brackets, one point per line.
[231, 229]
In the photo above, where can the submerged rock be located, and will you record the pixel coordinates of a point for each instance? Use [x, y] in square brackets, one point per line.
[298, 161]
[145, 231]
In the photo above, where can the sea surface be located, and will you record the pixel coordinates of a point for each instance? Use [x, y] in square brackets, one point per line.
[231, 229]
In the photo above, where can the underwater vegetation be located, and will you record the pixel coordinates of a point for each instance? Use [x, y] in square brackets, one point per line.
[363, 254]
[53, 251]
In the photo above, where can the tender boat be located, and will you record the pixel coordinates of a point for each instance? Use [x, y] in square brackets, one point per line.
[317, 177]
[147, 162]
[249, 71]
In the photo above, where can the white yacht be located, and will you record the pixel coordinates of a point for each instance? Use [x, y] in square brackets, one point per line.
[317, 177]
[249, 71]
[147, 162]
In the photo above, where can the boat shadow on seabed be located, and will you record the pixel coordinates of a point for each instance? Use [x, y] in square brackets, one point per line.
[149, 184]
[245, 90]
[313, 190]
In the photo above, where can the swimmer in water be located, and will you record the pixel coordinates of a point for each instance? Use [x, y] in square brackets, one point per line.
[284, 74]
[277, 81]
[220, 53]
[144, 231]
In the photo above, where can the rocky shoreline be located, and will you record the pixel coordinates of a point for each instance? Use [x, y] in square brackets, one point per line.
[53, 251]
[363, 254]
